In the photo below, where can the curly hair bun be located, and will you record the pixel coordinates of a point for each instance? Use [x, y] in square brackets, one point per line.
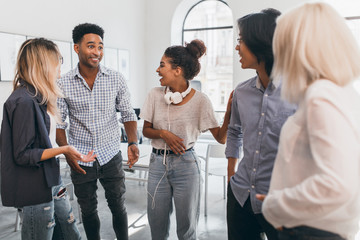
[196, 48]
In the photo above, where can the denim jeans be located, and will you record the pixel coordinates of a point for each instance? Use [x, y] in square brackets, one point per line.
[307, 233]
[39, 220]
[244, 224]
[112, 178]
[180, 180]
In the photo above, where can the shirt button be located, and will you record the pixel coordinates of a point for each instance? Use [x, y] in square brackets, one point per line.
[259, 133]
[266, 95]
[254, 169]
[257, 151]
[262, 114]
[252, 186]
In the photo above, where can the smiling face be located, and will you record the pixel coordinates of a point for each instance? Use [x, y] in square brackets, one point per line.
[90, 50]
[166, 71]
[247, 58]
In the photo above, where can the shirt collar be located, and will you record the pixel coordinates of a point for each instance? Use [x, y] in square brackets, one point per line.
[258, 84]
[102, 70]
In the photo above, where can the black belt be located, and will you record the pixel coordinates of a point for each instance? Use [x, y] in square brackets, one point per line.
[162, 151]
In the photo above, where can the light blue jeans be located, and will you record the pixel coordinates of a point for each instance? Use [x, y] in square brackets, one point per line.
[39, 220]
[178, 179]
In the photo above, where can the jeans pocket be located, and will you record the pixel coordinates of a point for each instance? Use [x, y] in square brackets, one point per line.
[188, 157]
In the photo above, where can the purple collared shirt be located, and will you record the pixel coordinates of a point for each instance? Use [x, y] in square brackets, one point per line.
[257, 116]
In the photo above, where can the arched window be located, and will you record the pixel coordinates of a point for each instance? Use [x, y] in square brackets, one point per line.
[350, 10]
[212, 22]
[354, 25]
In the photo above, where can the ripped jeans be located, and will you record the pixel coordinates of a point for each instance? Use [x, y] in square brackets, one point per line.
[39, 220]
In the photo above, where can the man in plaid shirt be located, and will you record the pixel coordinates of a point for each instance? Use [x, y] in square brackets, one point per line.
[92, 96]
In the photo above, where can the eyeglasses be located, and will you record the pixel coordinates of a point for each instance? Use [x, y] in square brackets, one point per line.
[61, 60]
[239, 40]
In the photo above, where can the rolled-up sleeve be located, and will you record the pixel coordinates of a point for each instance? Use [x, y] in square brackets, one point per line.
[63, 109]
[234, 133]
[123, 104]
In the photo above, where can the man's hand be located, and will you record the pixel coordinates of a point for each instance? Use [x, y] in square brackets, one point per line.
[72, 156]
[261, 197]
[231, 167]
[133, 155]
[74, 165]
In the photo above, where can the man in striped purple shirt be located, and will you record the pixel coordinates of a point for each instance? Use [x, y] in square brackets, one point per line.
[257, 115]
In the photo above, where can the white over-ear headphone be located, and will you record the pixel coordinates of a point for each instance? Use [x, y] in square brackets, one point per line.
[175, 97]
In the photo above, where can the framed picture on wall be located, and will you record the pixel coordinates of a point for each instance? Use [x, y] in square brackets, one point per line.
[124, 62]
[9, 47]
[111, 58]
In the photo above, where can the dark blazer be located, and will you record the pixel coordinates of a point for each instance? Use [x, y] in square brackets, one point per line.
[25, 130]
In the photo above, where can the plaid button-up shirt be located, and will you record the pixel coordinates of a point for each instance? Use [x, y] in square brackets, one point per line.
[92, 113]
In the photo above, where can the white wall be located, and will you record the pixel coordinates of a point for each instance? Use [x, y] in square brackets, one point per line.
[122, 20]
[144, 27]
[160, 35]
[5, 90]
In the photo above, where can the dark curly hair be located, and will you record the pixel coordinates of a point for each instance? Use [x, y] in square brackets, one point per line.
[257, 32]
[187, 57]
[80, 30]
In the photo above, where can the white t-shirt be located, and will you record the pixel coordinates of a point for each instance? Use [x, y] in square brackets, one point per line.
[186, 121]
[52, 133]
[316, 176]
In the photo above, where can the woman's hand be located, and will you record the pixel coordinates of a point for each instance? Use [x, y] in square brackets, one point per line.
[174, 142]
[228, 107]
[73, 153]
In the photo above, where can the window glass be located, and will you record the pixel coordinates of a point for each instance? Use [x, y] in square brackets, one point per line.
[211, 22]
[354, 25]
[209, 14]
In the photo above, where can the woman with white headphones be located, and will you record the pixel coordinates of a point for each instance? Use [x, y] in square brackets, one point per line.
[174, 116]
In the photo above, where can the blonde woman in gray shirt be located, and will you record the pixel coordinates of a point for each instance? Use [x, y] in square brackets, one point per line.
[174, 116]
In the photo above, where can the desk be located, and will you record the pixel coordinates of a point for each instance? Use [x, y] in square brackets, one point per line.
[142, 164]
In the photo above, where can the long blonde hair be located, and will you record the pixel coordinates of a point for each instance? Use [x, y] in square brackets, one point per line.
[37, 64]
[313, 42]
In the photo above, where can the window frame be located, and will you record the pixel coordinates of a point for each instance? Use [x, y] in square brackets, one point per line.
[201, 29]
